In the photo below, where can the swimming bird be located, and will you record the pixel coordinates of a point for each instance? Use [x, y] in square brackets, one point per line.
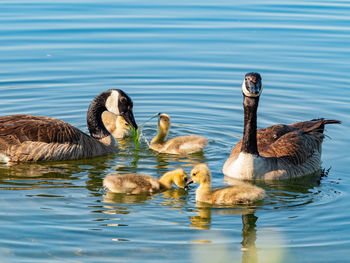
[26, 138]
[277, 152]
[116, 125]
[179, 145]
[242, 193]
[143, 183]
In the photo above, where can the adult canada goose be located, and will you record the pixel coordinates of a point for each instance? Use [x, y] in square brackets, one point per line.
[179, 145]
[242, 193]
[142, 183]
[26, 138]
[116, 125]
[277, 152]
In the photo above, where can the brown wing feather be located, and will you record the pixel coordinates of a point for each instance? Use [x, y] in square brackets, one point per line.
[20, 128]
[295, 142]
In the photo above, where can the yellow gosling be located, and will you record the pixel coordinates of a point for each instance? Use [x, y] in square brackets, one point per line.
[242, 193]
[142, 183]
[179, 145]
[116, 125]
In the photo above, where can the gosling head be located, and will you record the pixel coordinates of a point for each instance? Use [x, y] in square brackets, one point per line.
[200, 174]
[180, 178]
[252, 85]
[163, 123]
[121, 123]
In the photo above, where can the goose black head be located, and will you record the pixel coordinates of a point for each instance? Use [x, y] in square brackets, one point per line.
[119, 103]
[252, 85]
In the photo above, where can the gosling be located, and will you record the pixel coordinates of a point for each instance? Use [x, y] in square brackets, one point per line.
[144, 184]
[116, 125]
[180, 145]
[242, 193]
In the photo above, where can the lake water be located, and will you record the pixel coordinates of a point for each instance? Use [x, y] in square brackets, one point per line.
[187, 59]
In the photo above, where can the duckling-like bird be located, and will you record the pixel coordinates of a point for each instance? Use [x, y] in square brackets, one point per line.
[277, 152]
[26, 138]
[242, 193]
[116, 125]
[179, 145]
[142, 183]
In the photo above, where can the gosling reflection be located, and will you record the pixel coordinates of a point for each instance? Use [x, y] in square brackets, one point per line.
[203, 221]
[117, 198]
[174, 198]
[165, 160]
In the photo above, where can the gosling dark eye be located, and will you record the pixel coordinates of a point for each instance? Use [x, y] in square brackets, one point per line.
[194, 174]
[185, 179]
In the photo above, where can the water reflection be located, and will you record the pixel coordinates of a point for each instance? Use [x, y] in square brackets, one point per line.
[203, 221]
[250, 252]
[165, 160]
[117, 198]
[26, 176]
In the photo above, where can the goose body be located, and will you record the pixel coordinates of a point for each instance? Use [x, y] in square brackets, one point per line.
[241, 193]
[116, 125]
[180, 145]
[27, 138]
[142, 183]
[277, 152]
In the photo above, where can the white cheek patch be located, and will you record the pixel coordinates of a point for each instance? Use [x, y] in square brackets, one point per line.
[112, 102]
[247, 93]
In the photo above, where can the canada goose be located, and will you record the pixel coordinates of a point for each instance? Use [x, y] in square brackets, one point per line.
[142, 183]
[277, 152]
[242, 193]
[179, 145]
[26, 138]
[116, 125]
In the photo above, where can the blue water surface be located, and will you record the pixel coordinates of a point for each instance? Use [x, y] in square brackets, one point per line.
[187, 59]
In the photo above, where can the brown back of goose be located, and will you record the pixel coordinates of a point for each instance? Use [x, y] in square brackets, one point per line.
[295, 142]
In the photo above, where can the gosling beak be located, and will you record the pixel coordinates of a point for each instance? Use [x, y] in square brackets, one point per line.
[129, 117]
[188, 183]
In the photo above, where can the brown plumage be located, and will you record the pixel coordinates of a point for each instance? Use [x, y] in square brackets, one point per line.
[241, 193]
[180, 145]
[277, 152]
[142, 183]
[26, 138]
[295, 142]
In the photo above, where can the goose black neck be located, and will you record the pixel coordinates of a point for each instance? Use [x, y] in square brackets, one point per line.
[250, 144]
[94, 117]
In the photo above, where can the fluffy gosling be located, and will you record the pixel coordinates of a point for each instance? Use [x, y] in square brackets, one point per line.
[179, 145]
[116, 125]
[142, 183]
[242, 193]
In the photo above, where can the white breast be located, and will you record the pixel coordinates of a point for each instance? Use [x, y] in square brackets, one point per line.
[246, 166]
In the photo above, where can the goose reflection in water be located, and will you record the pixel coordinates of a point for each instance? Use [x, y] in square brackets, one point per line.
[203, 221]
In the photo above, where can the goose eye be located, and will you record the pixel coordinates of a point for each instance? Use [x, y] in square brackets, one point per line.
[194, 174]
[123, 100]
[185, 179]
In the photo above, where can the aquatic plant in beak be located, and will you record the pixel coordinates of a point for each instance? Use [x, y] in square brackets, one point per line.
[137, 133]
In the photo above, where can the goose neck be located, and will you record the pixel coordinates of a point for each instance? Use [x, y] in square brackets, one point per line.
[249, 144]
[94, 117]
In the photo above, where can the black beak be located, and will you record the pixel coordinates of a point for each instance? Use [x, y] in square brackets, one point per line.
[188, 183]
[129, 117]
[254, 87]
